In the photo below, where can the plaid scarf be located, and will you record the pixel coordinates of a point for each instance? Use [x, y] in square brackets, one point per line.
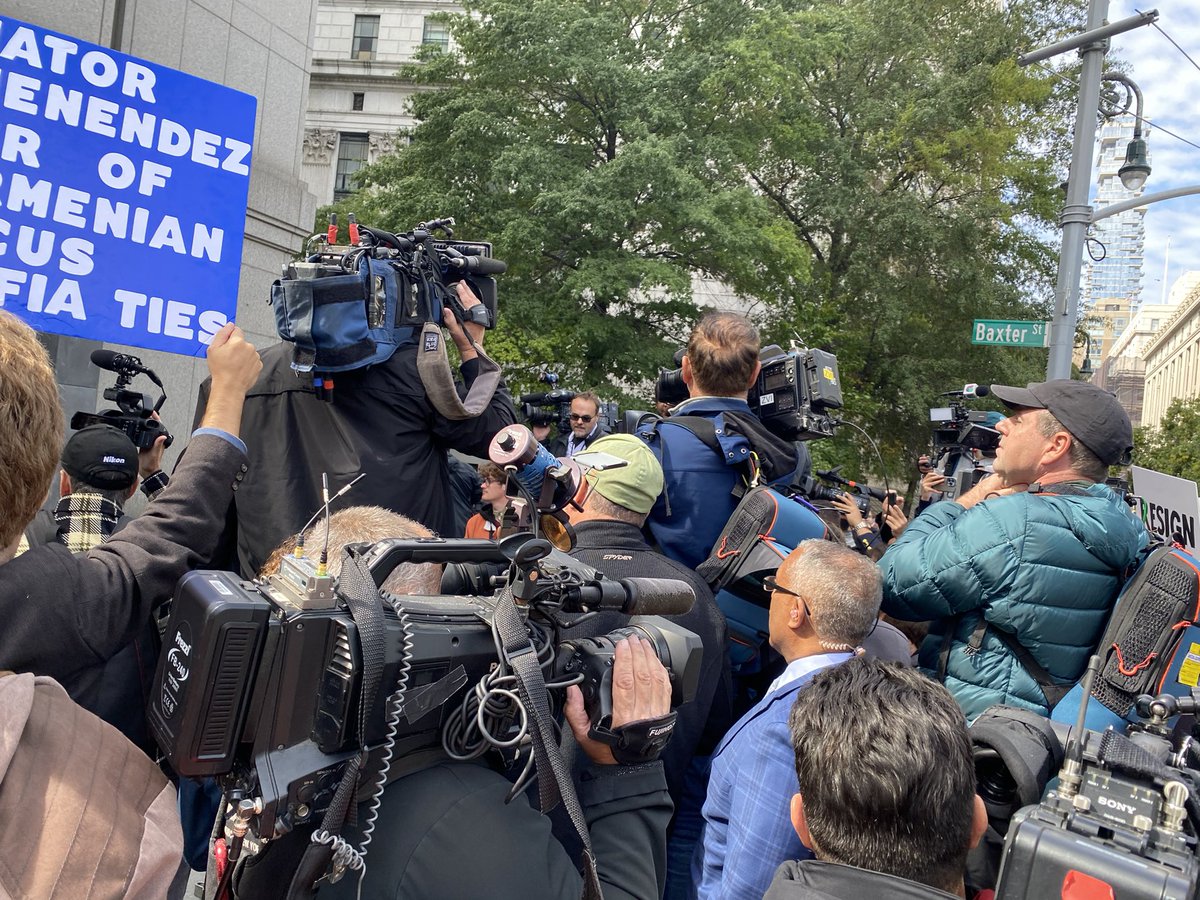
[85, 519]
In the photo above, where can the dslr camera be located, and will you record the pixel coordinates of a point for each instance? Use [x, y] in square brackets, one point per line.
[135, 410]
[276, 687]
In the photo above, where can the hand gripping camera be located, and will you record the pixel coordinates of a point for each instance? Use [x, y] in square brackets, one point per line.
[134, 413]
[275, 687]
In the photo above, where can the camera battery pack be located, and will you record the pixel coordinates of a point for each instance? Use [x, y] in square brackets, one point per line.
[1045, 860]
[205, 670]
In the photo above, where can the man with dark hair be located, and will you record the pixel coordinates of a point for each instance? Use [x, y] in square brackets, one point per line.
[887, 787]
[1022, 570]
[712, 440]
[585, 426]
[101, 468]
[824, 601]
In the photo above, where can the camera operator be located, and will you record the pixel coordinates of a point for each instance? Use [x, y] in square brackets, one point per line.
[447, 831]
[64, 615]
[719, 367]
[887, 788]
[101, 468]
[377, 422]
[1022, 569]
[92, 810]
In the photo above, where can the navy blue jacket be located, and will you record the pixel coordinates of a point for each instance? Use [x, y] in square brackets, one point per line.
[697, 498]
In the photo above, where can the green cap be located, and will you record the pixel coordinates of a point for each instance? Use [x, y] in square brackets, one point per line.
[635, 486]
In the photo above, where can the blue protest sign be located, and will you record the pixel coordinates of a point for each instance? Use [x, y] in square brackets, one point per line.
[122, 193]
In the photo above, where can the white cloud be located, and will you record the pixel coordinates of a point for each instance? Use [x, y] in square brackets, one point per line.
[1171, 88]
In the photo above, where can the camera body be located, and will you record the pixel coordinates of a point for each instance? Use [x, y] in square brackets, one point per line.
[548, 408]
[1122, 820]
[260, 683]
[796, 392]
[134, 414]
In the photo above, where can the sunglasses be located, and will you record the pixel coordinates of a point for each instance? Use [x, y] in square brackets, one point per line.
[575, 417]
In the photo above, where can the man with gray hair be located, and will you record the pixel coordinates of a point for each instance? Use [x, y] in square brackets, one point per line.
[824, 601]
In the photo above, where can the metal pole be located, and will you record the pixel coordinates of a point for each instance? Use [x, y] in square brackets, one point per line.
[1105, 31]
[1114, 209]
[1076, 212]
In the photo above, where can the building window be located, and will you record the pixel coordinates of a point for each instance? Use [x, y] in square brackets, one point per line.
[356, 101]
[366, 37]
[436, 33]
[352, 156]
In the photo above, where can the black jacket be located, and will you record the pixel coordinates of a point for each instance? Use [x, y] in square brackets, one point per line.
[379, 423]
[446, 833]
[65, 615]
[559, 445]
[618, 550]
[813, 879]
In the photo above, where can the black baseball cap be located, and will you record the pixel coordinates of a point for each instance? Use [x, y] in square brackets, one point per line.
[101, 456]
[1092, 415]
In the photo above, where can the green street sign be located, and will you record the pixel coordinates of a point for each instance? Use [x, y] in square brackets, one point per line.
[1010, 334]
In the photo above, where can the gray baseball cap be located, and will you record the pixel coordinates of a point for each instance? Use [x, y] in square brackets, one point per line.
[1092, 415]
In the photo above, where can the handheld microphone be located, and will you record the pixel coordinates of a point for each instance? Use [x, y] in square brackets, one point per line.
[117, 362]
[969, 391]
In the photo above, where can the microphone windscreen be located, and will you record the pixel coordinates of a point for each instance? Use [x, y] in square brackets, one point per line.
[105, 359]
[657, 596]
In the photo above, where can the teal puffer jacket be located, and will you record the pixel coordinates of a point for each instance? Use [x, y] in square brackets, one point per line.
[1043, 567]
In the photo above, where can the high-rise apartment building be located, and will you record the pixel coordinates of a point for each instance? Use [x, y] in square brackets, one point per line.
[1112, 287]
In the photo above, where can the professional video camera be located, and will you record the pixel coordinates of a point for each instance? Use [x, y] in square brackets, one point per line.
[957, 433]
[1124, 817]
[135, 410]
[796, 391]
[349, 307]
[552, 407]
[277, 688]
[670, 387]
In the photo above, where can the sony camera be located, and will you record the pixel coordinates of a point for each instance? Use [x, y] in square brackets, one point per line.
[796, 392]
[1123, 818]
[135, 410]
[269, 686]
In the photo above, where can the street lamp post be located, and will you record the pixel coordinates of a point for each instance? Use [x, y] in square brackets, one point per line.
[1077, 212]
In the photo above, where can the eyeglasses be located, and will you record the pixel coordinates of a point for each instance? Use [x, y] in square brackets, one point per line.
[575, 417]
[772, 586]
[492, 481]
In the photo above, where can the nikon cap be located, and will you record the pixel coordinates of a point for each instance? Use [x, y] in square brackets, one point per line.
[635, 486]
[101, 456]
[1091, 415]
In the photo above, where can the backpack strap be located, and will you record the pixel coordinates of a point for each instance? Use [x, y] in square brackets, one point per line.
[1052, 690]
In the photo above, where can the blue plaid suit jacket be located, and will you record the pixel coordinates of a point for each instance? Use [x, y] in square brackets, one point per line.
[747, 818]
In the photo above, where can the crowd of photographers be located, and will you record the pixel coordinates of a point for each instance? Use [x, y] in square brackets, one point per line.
[835, 768]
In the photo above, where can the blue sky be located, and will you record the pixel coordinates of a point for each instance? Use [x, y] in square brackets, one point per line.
[1171, 87]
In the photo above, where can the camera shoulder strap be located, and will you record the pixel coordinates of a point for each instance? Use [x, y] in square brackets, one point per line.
[554, 777]
[433, 365]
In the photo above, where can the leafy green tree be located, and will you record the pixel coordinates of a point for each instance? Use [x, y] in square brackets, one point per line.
[916, 162]
[571, 133]
[1174, 446]
[869, 175]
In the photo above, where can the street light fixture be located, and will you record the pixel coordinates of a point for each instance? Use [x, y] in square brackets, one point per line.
[1137, 167]
[1136, 170]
